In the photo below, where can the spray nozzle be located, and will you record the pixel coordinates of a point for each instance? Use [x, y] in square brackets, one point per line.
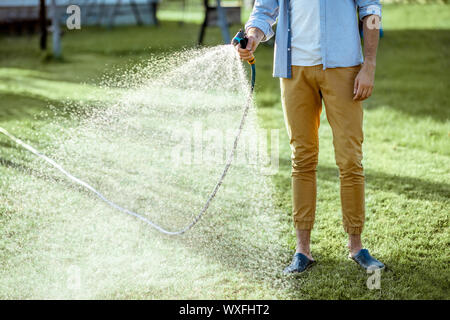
[241, 39]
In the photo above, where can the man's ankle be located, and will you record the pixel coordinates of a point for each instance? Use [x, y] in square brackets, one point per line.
[303, 242]
[354, 244]
[305, 251]
[355, 250]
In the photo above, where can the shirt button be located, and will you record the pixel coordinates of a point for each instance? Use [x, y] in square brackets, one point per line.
[289, 49]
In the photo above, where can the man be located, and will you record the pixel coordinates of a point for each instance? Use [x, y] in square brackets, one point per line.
[318, 57]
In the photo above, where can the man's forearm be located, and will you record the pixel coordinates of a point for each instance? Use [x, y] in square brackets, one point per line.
[371, 32]
[365, 79]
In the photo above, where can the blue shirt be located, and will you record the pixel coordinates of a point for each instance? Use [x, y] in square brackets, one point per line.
[339, 32]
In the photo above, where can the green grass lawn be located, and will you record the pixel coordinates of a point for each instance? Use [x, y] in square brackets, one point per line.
[407, 154]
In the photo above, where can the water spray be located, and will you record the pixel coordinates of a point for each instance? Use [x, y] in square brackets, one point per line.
[240, 39]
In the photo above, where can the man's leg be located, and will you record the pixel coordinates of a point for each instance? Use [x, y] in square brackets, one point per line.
[302, 106]
[346, 120]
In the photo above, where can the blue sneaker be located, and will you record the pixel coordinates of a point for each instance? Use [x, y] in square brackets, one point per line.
[299, 263]
[365, 260]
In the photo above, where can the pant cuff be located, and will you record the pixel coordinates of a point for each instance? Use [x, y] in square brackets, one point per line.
[302, 225]
[353, 230]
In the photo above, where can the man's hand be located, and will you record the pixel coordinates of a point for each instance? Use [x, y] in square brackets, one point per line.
[254, 36]
[364, 81]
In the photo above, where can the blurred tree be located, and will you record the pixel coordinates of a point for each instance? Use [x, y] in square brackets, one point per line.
[56, 31]
[43, 24]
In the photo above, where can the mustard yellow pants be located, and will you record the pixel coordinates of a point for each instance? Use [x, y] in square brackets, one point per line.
[302, 105]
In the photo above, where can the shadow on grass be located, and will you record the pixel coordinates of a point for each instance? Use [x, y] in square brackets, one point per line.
[410, 187]
[412, 73]
[21, 106]
[32, 109]
[27, 170]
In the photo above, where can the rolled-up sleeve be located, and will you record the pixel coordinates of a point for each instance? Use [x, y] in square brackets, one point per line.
[368, 7]
[263, 17]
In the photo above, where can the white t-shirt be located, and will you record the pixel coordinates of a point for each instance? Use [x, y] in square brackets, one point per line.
[305, 31]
